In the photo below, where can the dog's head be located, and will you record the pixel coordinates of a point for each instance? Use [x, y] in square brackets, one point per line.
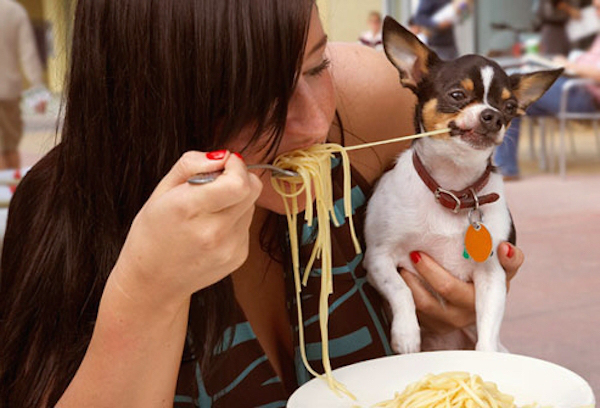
[471, 95]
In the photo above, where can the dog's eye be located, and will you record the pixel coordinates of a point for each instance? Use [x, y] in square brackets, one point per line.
[458, 95]
[510, 108]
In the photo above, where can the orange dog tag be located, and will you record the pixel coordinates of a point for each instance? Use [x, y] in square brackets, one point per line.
[478, 242]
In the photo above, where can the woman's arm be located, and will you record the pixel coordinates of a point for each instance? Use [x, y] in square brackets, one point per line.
[577, 68]
[584, 70]
[134, 355]
[184, 239]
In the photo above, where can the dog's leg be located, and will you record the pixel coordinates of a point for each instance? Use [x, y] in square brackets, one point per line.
[490, 299]
[384, 276]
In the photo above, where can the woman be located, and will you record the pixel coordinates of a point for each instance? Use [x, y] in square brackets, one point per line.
[114, 267]
[553, 16]
[440, 35]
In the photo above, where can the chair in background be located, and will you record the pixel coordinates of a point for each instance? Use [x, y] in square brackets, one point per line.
[547, 151]
[565, 115]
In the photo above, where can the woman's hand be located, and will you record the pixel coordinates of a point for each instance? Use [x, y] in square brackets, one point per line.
[459, 309]
[188, 237]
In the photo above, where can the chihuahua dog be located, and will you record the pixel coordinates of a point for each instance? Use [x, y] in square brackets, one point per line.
[443, 196]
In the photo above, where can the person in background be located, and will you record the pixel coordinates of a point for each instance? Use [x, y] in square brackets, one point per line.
[553, 15]
[372, 37]
[440, 33]
[18, 53]
[583, 100]
[417, 30]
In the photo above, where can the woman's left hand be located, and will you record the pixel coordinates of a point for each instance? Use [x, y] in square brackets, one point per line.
[459, 309]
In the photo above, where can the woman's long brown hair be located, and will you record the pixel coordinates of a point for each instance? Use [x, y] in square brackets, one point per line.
[149, 80]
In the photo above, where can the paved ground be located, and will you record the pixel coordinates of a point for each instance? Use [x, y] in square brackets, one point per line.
[553, 310]
[554, 305]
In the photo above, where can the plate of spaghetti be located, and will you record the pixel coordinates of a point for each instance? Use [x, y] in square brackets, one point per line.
[452, 379]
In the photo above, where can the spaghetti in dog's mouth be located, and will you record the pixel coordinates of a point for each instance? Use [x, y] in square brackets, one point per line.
[475, 139]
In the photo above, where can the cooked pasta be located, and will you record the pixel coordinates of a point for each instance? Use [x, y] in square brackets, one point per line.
[450, 390]
[314, 167]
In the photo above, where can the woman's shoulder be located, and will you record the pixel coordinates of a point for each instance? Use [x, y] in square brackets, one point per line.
[371, 103]
[370, 97]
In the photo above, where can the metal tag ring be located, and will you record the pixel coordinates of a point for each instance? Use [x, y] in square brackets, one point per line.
[472, 221]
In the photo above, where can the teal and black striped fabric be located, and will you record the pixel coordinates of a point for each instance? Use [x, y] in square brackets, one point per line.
[358, 329]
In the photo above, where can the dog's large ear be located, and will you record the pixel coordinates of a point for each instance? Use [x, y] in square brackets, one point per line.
[412, 58]
[528, 88]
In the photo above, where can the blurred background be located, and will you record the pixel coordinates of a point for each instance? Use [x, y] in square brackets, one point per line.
[344, 20]
[554, 307]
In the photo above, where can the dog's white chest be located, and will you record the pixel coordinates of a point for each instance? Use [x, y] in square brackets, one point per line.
[404, 216]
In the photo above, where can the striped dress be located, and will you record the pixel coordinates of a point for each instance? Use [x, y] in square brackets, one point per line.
[358, 329]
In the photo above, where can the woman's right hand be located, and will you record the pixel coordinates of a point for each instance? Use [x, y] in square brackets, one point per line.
[188, 237]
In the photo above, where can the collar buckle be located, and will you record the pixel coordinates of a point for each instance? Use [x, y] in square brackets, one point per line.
[438, 194]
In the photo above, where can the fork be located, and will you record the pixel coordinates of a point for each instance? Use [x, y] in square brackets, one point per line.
[204, 178]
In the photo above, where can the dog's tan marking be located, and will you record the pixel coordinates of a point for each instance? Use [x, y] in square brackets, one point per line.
[434, 119]
[505, 94]
[468, 84]
[532, 86]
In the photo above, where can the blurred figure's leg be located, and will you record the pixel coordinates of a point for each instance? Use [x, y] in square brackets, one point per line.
[506, 156]
[12, 159]
[11, 133]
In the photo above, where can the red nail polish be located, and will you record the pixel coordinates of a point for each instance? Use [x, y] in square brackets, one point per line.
[216, 155]
[239, 156]
[510, 252]
[415, 257]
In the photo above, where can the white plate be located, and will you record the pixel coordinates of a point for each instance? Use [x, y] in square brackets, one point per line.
[528, 379]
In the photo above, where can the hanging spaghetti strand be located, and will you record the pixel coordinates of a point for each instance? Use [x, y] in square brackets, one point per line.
[313, 166]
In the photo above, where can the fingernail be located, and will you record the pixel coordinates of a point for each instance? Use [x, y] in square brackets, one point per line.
[216, 155]
[239, 156]
[415, 257]
[510, 251]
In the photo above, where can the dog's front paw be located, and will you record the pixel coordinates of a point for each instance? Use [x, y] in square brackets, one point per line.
[406, 336]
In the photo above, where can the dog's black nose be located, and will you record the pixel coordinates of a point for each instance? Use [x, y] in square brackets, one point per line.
[491, 120]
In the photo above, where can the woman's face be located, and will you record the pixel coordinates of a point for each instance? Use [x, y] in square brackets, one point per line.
[310, 113]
